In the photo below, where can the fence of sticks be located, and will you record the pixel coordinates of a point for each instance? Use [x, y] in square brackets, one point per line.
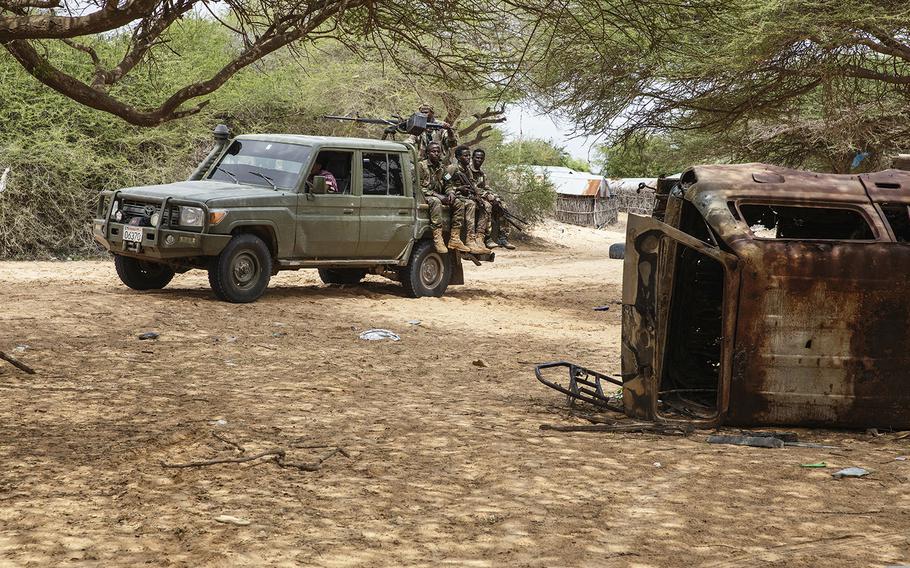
[597, 212]
[637, 201]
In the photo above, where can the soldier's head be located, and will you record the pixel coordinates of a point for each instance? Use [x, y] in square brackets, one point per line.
[477, 158]
[434, 152]
[463, 155]
[426, 109]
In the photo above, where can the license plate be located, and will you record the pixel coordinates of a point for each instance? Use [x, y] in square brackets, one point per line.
[132, 234]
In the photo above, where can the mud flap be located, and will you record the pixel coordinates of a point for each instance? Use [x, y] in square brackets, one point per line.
[648, 278]
[457, 270]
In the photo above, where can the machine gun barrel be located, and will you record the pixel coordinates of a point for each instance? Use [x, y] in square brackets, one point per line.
[362, 120]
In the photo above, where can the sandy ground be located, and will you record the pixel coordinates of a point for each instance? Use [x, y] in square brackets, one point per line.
[446, 464]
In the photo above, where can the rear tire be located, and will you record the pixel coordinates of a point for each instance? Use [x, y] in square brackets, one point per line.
[428, 273]
[618, 250]
[342, 275]
[142, 275]
[241, 273]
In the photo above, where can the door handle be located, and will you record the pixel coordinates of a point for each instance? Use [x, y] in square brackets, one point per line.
[348, 211]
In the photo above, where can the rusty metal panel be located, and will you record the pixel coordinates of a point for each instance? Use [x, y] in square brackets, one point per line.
[822, 338]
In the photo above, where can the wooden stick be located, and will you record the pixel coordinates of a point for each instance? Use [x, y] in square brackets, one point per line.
[19, 365]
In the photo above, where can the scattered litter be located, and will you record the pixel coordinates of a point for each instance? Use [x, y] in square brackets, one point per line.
[480, 363]
[279, 324]
[219, 422]
[228, 519]
[753, 441]
[657, 464]
[414, 322]
[3, 178]
[782, 436]
[379, 334]
[850, 472]
[601, 308]
[814, 465]
[21, 348]
[901, 458]
[231, 339]
[148, 335]
[279, 334]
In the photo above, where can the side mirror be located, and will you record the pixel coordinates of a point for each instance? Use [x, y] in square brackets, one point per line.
[319, 186]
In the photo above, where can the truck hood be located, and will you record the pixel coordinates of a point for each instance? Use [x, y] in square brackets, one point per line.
[202, 191]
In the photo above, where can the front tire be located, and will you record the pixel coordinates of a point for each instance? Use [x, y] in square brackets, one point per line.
[142, 275]
[428, 273]
[241, 273]
[342, 275]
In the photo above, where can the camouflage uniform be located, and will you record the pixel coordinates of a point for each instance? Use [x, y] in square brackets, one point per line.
[432, 183]
[447, 140]
[494, 218]
[462, 204]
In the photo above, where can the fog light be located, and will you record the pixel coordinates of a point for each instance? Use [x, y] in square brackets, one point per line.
[170, 240]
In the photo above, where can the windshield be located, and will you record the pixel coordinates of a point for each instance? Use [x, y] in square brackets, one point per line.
[258, 162]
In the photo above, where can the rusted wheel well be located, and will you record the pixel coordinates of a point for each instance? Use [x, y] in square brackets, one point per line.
[264, 232]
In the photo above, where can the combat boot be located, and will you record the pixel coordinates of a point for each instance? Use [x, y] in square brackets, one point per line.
[476, 244]
[504, 242]
[490, 243]
[456, 244]
[438, 241]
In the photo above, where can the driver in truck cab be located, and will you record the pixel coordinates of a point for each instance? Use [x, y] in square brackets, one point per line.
[331, 184]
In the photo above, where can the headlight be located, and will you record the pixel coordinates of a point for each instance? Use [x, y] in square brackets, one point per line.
[191, 216]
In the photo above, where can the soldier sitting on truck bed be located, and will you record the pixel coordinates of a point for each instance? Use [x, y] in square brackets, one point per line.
[461, 189]
[446, 138]
[489, 200]
[432, 172]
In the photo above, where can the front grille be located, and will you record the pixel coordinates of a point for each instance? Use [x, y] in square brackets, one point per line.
[138, 213]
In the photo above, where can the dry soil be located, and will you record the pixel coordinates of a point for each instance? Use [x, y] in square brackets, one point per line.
[446, 463]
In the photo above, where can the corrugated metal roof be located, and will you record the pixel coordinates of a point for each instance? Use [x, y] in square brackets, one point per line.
[571, 182]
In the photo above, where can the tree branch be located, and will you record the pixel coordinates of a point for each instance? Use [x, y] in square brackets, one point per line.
[50, 26]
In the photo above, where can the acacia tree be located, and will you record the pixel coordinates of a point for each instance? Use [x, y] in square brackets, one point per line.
[794, 80]
[440, 38]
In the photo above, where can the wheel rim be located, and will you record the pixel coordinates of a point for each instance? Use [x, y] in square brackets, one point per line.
[245, 270]
[432, 271]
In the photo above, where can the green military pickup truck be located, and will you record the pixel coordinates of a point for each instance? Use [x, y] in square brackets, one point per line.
[259, 204]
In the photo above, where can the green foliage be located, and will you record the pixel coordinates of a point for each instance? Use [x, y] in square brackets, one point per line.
[526, 194]
[537, 152]
[650, 156]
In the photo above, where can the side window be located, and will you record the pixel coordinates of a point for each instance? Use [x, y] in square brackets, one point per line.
[375, 174]
[899, 220]
[335, 167]
[396, 175]
[800, 222]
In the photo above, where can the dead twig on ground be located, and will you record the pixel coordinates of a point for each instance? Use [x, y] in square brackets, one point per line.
[278, 456]
[16, 363]
[229, 442]
[648, 427]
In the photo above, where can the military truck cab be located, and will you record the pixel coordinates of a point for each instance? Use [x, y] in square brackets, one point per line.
[260, 204]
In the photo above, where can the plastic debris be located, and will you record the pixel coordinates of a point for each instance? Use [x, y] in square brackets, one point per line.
[816, 464]
[414, 322]
[231, 520]
[901, 458]
[601, 308]
[657, 464]
[148, 335]
[379, 334]
[850, 472]
[21, 348]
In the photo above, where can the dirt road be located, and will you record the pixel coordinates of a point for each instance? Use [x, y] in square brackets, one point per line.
[446, 463]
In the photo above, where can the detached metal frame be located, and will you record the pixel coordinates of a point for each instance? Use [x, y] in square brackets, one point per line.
[584, 384]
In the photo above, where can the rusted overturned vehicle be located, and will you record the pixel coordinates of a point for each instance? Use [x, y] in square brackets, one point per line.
[759, 295]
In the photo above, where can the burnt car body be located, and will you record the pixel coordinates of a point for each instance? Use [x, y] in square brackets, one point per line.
[759, 295]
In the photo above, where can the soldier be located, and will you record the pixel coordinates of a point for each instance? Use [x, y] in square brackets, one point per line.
[462, 194]
[446, 138]
[432, 173]
[491, 203]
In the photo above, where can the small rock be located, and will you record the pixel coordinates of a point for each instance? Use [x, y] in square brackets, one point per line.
[480, 363]
[21, 348]
[231, 520]
[219, 422]
[414, 322]
[657, 464]
[279, 334]
[148, 335]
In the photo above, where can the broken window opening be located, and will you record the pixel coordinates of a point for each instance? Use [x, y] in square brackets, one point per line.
[691, 375]
[800, 222]
[898, 218]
